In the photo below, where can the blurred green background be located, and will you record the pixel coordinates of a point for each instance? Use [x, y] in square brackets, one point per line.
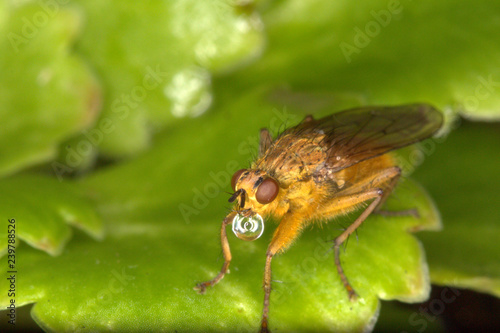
[122, 123]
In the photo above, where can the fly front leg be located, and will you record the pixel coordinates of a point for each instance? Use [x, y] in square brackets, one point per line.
[288, 229]
[264, 327]
[201, 287]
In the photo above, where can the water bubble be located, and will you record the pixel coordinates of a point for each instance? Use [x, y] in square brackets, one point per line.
[248, 228]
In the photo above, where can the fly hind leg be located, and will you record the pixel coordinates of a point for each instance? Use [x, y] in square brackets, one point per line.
[374, 188]
[388, 190]
[354, 200]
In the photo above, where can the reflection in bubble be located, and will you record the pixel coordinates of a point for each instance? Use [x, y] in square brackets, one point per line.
[248, 228]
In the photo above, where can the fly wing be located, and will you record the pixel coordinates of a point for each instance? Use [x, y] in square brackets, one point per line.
[359, 134]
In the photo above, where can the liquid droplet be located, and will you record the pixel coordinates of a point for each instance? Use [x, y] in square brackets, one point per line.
[248, 228]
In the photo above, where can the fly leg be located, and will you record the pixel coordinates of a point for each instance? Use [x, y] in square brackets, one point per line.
[388, 189]
[265, 141]
[361, 197]
[201, 287]
[347, 200]
[288, 229]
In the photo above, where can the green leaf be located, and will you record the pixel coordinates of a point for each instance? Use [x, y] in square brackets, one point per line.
[462, 175]
[46, 93]
[39, 209]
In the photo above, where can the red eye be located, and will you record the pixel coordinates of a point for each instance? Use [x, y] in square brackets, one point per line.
[235, 178]
[267, 191]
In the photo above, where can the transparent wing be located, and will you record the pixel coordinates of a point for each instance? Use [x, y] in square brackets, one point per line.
[359, 134]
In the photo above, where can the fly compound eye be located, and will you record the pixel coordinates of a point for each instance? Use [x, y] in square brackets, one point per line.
[267, 191]
[236, 177]
[248, 228]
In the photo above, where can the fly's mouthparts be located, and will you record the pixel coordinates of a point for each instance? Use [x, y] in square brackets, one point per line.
[239, 193]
